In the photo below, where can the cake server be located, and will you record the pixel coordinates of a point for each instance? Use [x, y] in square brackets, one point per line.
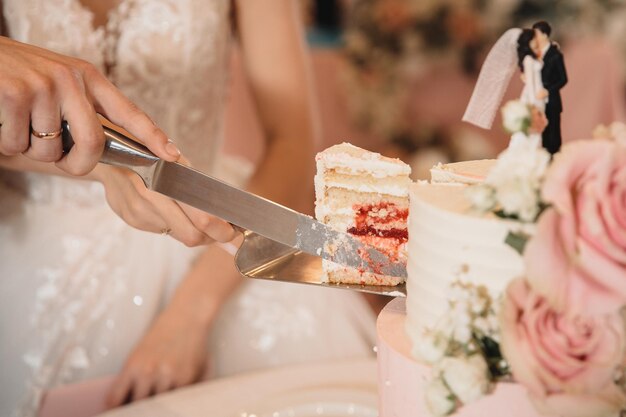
[241, 208]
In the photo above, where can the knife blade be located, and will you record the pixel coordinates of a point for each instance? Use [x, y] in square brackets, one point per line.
[241, 208]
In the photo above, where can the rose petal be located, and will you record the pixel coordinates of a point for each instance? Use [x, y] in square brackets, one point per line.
[547, 263]
[561, 358]
[599, 284]
[568, 167]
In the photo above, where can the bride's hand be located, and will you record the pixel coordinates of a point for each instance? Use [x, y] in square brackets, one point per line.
[150, 211]
[542, 94]
[39, 89]
[538, 120]
[172, 354]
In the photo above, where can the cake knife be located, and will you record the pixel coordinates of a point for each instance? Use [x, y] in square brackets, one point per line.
[242, 209]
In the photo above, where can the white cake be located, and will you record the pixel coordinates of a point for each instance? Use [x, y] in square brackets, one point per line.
[365, 194]
[451, 242]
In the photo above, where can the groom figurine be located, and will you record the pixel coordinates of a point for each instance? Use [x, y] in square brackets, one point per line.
[554, 77]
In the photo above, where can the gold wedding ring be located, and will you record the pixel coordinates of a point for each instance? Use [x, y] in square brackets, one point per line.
[46, 135]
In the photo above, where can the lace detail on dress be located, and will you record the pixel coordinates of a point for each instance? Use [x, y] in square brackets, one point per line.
[170, 57]
[70, 313]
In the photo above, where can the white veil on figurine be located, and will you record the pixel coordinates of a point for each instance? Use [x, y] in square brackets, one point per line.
[493, 80]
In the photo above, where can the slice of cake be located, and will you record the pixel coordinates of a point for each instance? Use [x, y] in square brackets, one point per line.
[365, 194]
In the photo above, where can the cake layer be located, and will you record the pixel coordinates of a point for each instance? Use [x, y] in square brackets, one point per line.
[391, 185]
[449, 242]
[334, 273]
[466, 172]
[341, 202]
[402, 380]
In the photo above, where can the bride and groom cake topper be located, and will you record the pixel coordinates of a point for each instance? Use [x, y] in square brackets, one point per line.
[543, 73]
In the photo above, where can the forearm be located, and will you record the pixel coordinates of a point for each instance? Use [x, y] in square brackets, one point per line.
[277, 65]
[206, 287]
[285, 174]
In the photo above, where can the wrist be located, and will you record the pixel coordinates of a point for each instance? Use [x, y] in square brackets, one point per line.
[198, 313]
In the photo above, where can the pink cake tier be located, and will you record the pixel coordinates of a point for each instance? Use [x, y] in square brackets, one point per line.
[402, 380]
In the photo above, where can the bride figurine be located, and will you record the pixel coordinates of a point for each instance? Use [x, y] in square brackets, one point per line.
[516, 48]
[533, 93]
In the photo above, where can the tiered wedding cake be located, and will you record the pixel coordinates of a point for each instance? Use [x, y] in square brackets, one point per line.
[485, 331]
[449, 241]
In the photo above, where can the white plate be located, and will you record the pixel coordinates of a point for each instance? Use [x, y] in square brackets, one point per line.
[316, 402]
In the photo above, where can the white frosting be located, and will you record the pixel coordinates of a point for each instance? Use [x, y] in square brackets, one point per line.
[466, 172]
[347, 158]
[448, 242]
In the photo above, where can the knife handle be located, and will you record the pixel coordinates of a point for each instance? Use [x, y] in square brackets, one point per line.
[119, 150]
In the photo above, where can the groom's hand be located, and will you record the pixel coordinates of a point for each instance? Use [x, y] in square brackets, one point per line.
[39, 89]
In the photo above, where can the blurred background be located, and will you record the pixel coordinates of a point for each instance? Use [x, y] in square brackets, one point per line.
[394, 76]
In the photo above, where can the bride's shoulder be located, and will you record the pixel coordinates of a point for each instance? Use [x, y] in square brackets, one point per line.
[529, 58]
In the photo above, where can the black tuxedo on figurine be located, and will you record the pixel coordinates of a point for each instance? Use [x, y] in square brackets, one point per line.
[554, 77]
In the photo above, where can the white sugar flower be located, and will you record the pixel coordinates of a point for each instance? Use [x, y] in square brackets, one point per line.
[517, 178]
[467, 378]
[519, 198]
[462, 334]
[439, 399]
[522, 160]
[482, 325]
[482, 197]
[515, 116]
[431, 348]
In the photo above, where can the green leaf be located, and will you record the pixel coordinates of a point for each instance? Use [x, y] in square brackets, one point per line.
[517, 240]
[501, 214]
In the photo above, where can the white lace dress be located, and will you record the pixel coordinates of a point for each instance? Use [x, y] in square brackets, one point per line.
[78, 287]
[532, 82]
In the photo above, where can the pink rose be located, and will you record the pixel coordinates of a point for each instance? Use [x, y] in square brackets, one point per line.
[567, 363]
[577, 258]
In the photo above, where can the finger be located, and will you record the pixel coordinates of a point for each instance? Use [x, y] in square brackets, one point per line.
[86, 131]
[120, 393]
[214, 227]
[135, 209]
[142, 387]
[164, 381]
[187, 376]
[45, 118]
[182, 228]
[15, 124]
[113, 105]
